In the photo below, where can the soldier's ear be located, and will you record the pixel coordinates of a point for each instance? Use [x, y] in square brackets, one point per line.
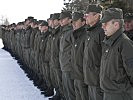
[97, 16]
[116, 24]
[83, 23]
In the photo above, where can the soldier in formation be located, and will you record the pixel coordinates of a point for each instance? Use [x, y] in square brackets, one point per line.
[79, 55]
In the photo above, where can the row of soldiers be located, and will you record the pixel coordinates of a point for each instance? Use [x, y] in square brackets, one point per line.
[81, 56]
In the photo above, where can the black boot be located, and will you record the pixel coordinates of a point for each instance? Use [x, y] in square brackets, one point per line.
[49, 92]
[56, 97]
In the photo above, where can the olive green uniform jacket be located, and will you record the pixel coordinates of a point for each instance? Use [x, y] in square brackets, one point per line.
[116, 72]
[92, 55]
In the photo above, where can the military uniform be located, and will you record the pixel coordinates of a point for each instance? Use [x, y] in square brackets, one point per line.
[116, 72]
[27, 34]
[47, 55]
[32, 52]
[81, 89]
[55, 65]
[129, 34]
[65, 58]
[78, 39]
[92, 56]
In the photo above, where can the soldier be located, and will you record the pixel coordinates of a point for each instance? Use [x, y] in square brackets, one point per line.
[17, 38]
[46, 64]
[78, 37]
[116, 72]
[36, 49]
[12, 39]
[34, 25]
[42, 46]
[93, 51]
[56, 74]
[28, 31]
[128, 19]
[50, 23]
[19, 31]
[65, 55]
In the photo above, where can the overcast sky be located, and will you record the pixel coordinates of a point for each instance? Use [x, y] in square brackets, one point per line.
[18, 10]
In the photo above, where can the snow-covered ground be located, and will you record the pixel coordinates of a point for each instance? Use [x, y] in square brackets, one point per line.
[14, 85]
[1, 44]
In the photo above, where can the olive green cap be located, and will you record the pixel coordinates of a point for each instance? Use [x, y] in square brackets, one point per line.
[128, 16]
[77, 15]
[94, 8]
[65, 14]
[55, 16]
[112, 13]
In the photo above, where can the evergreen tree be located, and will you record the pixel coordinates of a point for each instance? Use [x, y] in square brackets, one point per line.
[80, 5]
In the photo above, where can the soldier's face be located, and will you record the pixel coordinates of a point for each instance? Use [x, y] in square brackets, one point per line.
[90, 18]
[77, 24]
[32, 24]
[50, 23]
[44, 28]
[27, 22]
[129, 25]
[65, 21]
[110, 27]
[56, 22]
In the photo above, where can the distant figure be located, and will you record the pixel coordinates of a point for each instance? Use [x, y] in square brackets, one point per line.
[128, 19]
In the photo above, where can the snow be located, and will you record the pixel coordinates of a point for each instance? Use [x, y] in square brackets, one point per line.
[1, 44]
[14, 85]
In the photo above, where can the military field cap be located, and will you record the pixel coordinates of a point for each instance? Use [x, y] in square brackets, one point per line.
[13, 24]
[3, 26]
[40, 21]
[128, 16]
[50, 18]
[20, 23]
[112, 13]
[77, 15]
[34, 21]
[55, 16]
[30, 17]
[94, 8]
[65, 14]
[44, 23]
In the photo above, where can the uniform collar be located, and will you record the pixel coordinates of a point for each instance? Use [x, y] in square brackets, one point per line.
[77, 33]
[66, 27]
[110, 41]
[94, 26]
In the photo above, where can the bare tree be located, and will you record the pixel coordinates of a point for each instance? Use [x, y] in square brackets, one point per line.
[4, 20]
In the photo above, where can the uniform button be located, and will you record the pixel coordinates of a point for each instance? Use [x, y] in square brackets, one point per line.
[61, 37]
[107, 50]
[75, 45]
[42, 40]
[88, 38]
